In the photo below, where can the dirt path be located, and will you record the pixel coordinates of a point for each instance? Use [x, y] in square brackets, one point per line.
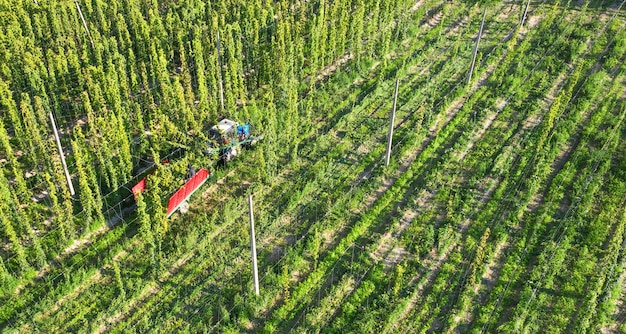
[77, 290]
[438, 261]
[149, 291]
[571, 144]
[332, 68]
[488, 280]
[618, 316]
[76, 246]
[493, 265]
[433, 266]
[156, 286]
[96, 278]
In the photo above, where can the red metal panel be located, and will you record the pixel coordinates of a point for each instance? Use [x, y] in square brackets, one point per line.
[186, 190]
[139, 187]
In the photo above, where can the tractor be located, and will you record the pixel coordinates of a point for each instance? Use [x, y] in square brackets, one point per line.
[227, 136]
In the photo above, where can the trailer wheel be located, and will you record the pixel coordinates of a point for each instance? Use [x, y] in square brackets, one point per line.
[228, 156]
[184, 207]
[251, 143]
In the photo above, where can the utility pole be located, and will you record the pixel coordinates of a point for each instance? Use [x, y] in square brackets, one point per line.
[391, 124]
[84, 23]
[219, 66]
[480, 32]
[524, 15]
[67, 173]
[255, 273]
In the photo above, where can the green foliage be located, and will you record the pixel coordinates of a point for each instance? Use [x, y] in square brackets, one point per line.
[118, 280]
[515, 180]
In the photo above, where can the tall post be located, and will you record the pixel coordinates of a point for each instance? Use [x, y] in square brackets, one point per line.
[80, 12]
[480, 32]
[255, 273]
[60, 148]
[391, 124]
[219, 67]
[524, 15]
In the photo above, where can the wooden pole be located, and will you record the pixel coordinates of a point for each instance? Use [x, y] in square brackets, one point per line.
[60, 148]
[80, 12]
[391, 124]
[524, 15]
[255, 273]
[480, 32]
[219, 66]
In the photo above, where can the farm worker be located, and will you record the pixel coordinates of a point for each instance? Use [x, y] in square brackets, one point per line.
[191, 171]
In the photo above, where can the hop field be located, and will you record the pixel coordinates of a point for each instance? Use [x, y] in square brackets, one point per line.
[503, 208]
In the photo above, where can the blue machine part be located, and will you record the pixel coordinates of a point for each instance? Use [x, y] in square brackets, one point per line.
[240, 130]
[246, 129]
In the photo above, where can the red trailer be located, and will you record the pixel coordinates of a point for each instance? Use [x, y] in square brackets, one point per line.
[181, 196]
[179, 199]
[139, 187]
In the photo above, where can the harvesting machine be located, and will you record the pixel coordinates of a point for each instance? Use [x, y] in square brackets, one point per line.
[224, 139]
